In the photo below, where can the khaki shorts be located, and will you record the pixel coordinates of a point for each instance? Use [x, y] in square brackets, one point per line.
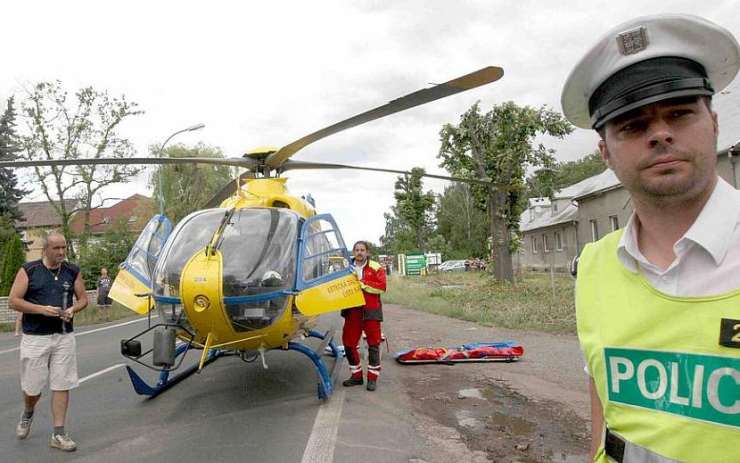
[52, 356]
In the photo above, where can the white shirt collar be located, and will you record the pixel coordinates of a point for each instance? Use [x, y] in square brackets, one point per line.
[711, 230]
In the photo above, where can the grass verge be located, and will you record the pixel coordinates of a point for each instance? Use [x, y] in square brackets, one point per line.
[532, 303]
[92, 315]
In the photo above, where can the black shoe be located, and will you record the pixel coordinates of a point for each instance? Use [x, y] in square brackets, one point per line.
[372, 384]
[353, 382]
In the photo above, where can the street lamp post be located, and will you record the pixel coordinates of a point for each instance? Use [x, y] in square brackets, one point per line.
[192, 128]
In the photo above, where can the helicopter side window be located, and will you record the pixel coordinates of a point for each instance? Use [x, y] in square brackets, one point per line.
[323, 252]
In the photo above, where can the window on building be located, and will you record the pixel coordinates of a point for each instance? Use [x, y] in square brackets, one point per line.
[534, 245]
[594, 230]
[614, 222]
[132, 219]
[554, 206]
[548, 245]
[558, 241]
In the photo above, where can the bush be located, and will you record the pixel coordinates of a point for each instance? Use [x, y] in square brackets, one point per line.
[13, 257]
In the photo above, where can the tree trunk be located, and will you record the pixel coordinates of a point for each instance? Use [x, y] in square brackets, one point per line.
[500, 254]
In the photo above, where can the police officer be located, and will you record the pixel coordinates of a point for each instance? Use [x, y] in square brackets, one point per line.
[42, 292]
[658, 302]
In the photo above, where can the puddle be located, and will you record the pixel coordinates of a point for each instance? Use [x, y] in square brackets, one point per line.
[452, 286]
[468, 420]
[470, 394]
[508, 426]
[514, 424]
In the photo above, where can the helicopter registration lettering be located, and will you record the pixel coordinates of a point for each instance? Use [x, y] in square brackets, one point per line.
[346, 288]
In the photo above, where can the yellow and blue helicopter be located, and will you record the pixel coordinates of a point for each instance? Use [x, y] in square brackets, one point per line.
[254, 269]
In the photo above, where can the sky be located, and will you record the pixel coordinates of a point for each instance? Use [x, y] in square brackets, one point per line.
[267, 73]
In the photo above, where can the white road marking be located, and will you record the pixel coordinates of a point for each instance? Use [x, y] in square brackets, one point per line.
[323, 438]
[77, 335]
[102, 372]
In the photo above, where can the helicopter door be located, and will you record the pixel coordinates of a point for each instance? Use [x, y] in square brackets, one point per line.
[135, 274]
[323, 278]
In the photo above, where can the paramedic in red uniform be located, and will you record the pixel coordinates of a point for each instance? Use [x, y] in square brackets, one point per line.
[366, 318]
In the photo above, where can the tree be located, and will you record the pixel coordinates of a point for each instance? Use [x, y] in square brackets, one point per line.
[186, 187]
[10, 194]
[544, 182]
[413, 205]
[409, 223]
[86, 126]
[499, 146]
[13, 258]
[108, 251]
[462, 223]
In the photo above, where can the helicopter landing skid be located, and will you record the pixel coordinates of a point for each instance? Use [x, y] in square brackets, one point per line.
[327, 378]
[165, 382]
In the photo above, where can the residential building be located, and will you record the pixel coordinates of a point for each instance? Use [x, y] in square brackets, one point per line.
[134, 211]
[39, 217]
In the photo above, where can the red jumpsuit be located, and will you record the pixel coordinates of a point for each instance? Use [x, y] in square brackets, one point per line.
[366, 318]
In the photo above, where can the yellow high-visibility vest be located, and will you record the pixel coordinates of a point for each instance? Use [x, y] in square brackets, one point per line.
[668, 386]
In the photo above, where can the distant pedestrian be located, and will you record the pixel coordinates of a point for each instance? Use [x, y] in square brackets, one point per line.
[104, 284]
[43, 291]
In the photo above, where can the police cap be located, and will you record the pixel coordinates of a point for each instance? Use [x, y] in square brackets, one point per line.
[649, 59]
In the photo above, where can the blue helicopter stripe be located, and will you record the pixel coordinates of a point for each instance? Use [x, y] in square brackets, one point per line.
[328, 277]
[231, 300]
[168, 299]
[256, 297]
[130, 268]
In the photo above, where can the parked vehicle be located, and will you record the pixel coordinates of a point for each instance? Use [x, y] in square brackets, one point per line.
[452, 266]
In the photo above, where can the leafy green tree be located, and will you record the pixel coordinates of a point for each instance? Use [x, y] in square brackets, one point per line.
[13, 258]
[108, 250]
[10, 194]
[462, 223]
[184, 188]
[84, 126]
[410, 221]
[414, 205]
[544, 182]
[398, 237]
[499, 145]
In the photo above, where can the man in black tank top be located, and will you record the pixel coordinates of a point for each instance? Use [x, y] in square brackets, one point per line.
[43, 292]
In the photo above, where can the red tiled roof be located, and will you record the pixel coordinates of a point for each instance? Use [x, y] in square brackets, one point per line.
[42, 214]
[136, 210]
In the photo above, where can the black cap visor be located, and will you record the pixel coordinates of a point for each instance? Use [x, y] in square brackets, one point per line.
[647, 82]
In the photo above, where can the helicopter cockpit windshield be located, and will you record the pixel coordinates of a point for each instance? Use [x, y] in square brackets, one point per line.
[258, 249]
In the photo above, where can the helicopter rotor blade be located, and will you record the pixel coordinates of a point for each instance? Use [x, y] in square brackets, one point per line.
[235, 162]
[469, 81]
[305, 165]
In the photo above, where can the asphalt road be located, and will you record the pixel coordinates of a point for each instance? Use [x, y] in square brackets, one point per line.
[232, 411]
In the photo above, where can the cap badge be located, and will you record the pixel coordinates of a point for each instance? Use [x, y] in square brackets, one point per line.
[632, 41]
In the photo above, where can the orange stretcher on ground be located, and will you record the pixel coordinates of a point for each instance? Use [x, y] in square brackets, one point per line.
[507, 351]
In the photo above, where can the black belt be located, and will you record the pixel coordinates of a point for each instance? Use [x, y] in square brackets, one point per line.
[614, 446]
